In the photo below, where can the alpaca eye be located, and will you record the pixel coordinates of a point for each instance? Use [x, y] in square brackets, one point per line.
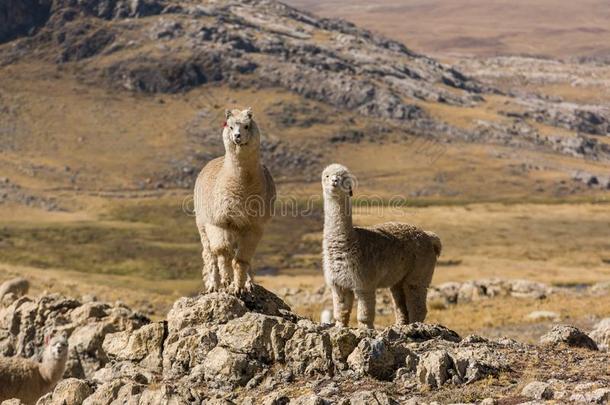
[247, 127]
[231, 128]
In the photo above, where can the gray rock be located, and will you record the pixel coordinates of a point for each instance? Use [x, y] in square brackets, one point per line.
[143, 345]
[597, 396]
[570, 336]
[374, 357]
[309, 353]
[186, 349]
[260, 336]
[434, 368]
[371, 397]
[104, 394]
[225, 367]
[601, 334]
[215, 308]
[538, 390]
[343, 342]
[528, 289]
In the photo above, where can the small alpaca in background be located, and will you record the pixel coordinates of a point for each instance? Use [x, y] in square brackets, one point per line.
[28, 380]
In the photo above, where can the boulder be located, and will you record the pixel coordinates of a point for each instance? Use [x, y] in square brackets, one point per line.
[70, 391]
[343, 341]
[569, 335]
[143, 346]
[260, 336]
[371, 397]
[214, 308]
[309, 353]
[374, 357]
[225, 367]
[538, 390]
[601, 334]
[420, 332]
[185, 349]
[434, 368]
[528, 289]
[104, 394]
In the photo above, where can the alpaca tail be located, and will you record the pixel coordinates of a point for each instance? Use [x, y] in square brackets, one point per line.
[436, 243]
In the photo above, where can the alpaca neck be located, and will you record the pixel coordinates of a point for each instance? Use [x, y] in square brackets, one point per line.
[51, 370]
[240, 165]
[338, 219]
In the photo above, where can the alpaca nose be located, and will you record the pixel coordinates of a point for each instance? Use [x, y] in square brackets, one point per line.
[237, 137]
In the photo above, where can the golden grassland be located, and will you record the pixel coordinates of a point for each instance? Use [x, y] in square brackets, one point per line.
[146, 253]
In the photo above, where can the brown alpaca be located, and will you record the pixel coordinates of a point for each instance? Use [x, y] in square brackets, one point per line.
[28, 380]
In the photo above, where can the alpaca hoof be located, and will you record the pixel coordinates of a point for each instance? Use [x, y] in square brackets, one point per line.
[236, 290]
[212, 289]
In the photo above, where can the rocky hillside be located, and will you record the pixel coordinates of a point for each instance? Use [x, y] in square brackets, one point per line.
[163, 46]
[256, 43]
[88, 81]
[222, 349]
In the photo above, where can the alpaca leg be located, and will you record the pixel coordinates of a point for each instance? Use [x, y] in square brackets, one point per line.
[415, 300]
[366, 309]
[210, 275]
[400, 307]
[242, 269]
[226, 270]
[220, 246]
[343, 301]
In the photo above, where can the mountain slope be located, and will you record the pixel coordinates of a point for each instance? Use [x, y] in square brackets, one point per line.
[117, 95]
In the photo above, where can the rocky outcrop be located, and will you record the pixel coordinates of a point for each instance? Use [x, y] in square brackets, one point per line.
[258, 43]
[222, 342]
[22, 17]
[219, 347]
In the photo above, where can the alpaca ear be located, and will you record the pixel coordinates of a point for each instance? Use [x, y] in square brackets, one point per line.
[249, 112]
[228, 113]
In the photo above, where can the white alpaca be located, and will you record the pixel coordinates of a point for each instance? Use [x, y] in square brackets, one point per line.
[234, 197]
[28, 380]
[357, 261]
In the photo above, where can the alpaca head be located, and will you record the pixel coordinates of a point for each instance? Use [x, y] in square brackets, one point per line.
[337, 181]
[56, 348]
[240, 133]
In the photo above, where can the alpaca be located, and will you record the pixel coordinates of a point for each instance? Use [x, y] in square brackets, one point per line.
[234, 197]
[357, 261]
[28, 380]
